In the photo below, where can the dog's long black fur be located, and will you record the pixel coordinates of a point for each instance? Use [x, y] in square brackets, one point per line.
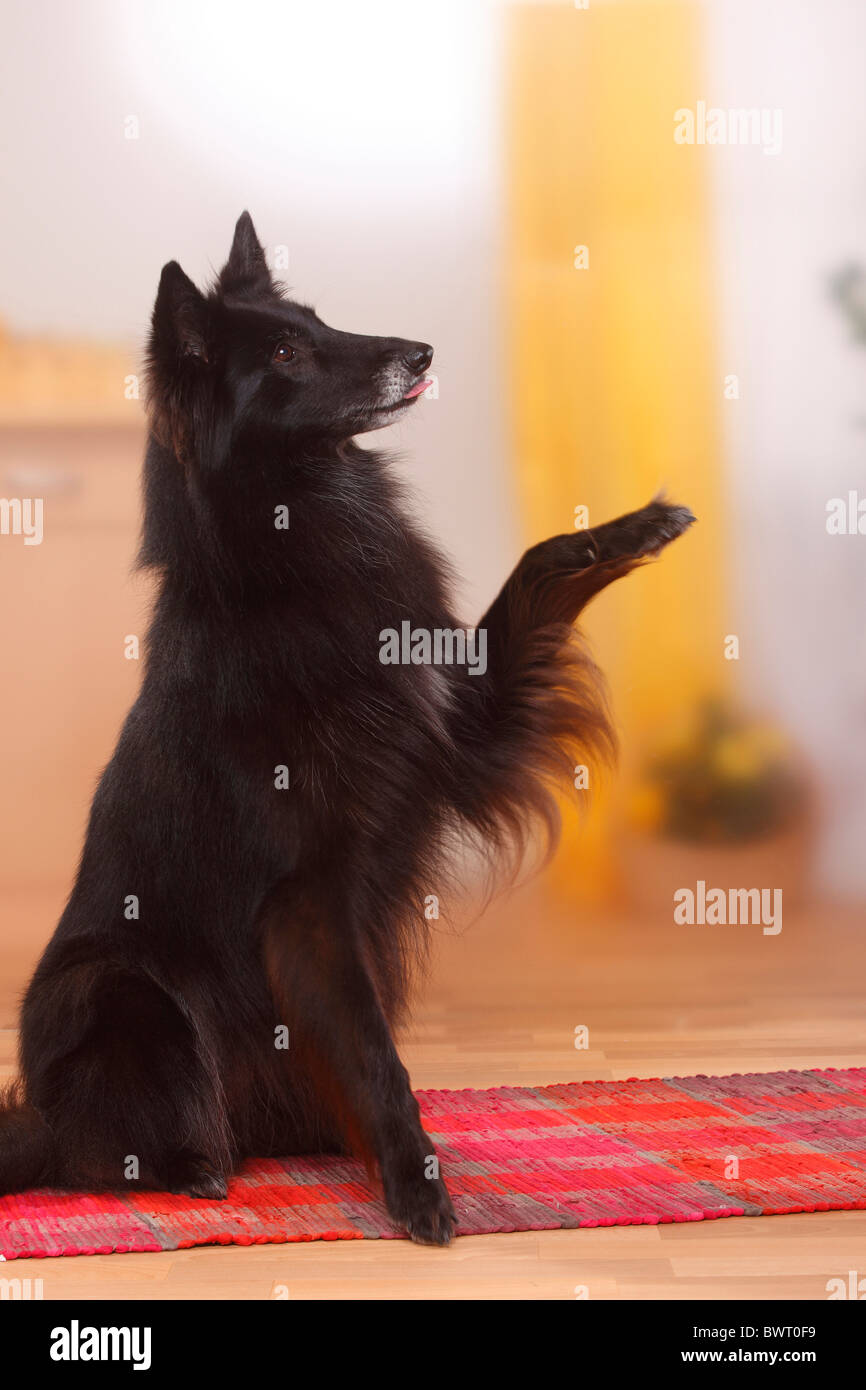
[216, 906]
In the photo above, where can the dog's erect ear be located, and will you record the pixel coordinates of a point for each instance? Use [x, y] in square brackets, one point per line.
[178, 371]
[246, 270]
[179, 316]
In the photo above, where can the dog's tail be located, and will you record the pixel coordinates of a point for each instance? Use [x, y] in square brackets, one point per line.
[26, 1149]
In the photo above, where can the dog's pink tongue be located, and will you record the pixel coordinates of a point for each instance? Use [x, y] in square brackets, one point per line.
[417, 389]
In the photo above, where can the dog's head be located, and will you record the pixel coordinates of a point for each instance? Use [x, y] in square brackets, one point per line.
[244, 357]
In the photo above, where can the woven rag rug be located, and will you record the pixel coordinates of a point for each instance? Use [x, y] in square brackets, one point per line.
[519, 1158]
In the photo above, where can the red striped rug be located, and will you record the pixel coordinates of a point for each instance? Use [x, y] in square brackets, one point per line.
[528, 1158]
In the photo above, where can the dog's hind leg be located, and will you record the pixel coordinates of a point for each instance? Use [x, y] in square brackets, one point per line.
[133, 1102]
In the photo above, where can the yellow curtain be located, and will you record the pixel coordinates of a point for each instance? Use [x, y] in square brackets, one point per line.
[615, 388]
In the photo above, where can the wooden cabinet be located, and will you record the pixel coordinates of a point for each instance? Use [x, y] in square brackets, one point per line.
[66, 606]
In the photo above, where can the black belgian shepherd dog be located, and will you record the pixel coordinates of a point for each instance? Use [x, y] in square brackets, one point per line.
[261, 844]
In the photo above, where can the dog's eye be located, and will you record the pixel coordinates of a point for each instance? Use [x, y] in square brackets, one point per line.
[283, 353]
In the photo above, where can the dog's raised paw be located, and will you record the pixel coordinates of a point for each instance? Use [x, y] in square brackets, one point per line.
[661, 523]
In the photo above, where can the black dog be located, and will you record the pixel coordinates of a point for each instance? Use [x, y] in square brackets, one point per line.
[250, 900]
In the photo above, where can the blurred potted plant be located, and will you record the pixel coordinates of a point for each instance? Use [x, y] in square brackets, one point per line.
[721, 798]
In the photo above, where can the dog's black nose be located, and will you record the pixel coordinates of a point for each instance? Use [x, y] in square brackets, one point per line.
[418, 357]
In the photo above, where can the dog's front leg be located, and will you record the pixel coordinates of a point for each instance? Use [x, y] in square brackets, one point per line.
[326, 995]
[539, 707]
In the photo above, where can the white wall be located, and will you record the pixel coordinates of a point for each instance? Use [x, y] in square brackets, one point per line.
[363, 136]
[797, 436]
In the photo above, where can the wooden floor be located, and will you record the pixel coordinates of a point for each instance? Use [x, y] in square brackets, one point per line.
[501, 1007]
